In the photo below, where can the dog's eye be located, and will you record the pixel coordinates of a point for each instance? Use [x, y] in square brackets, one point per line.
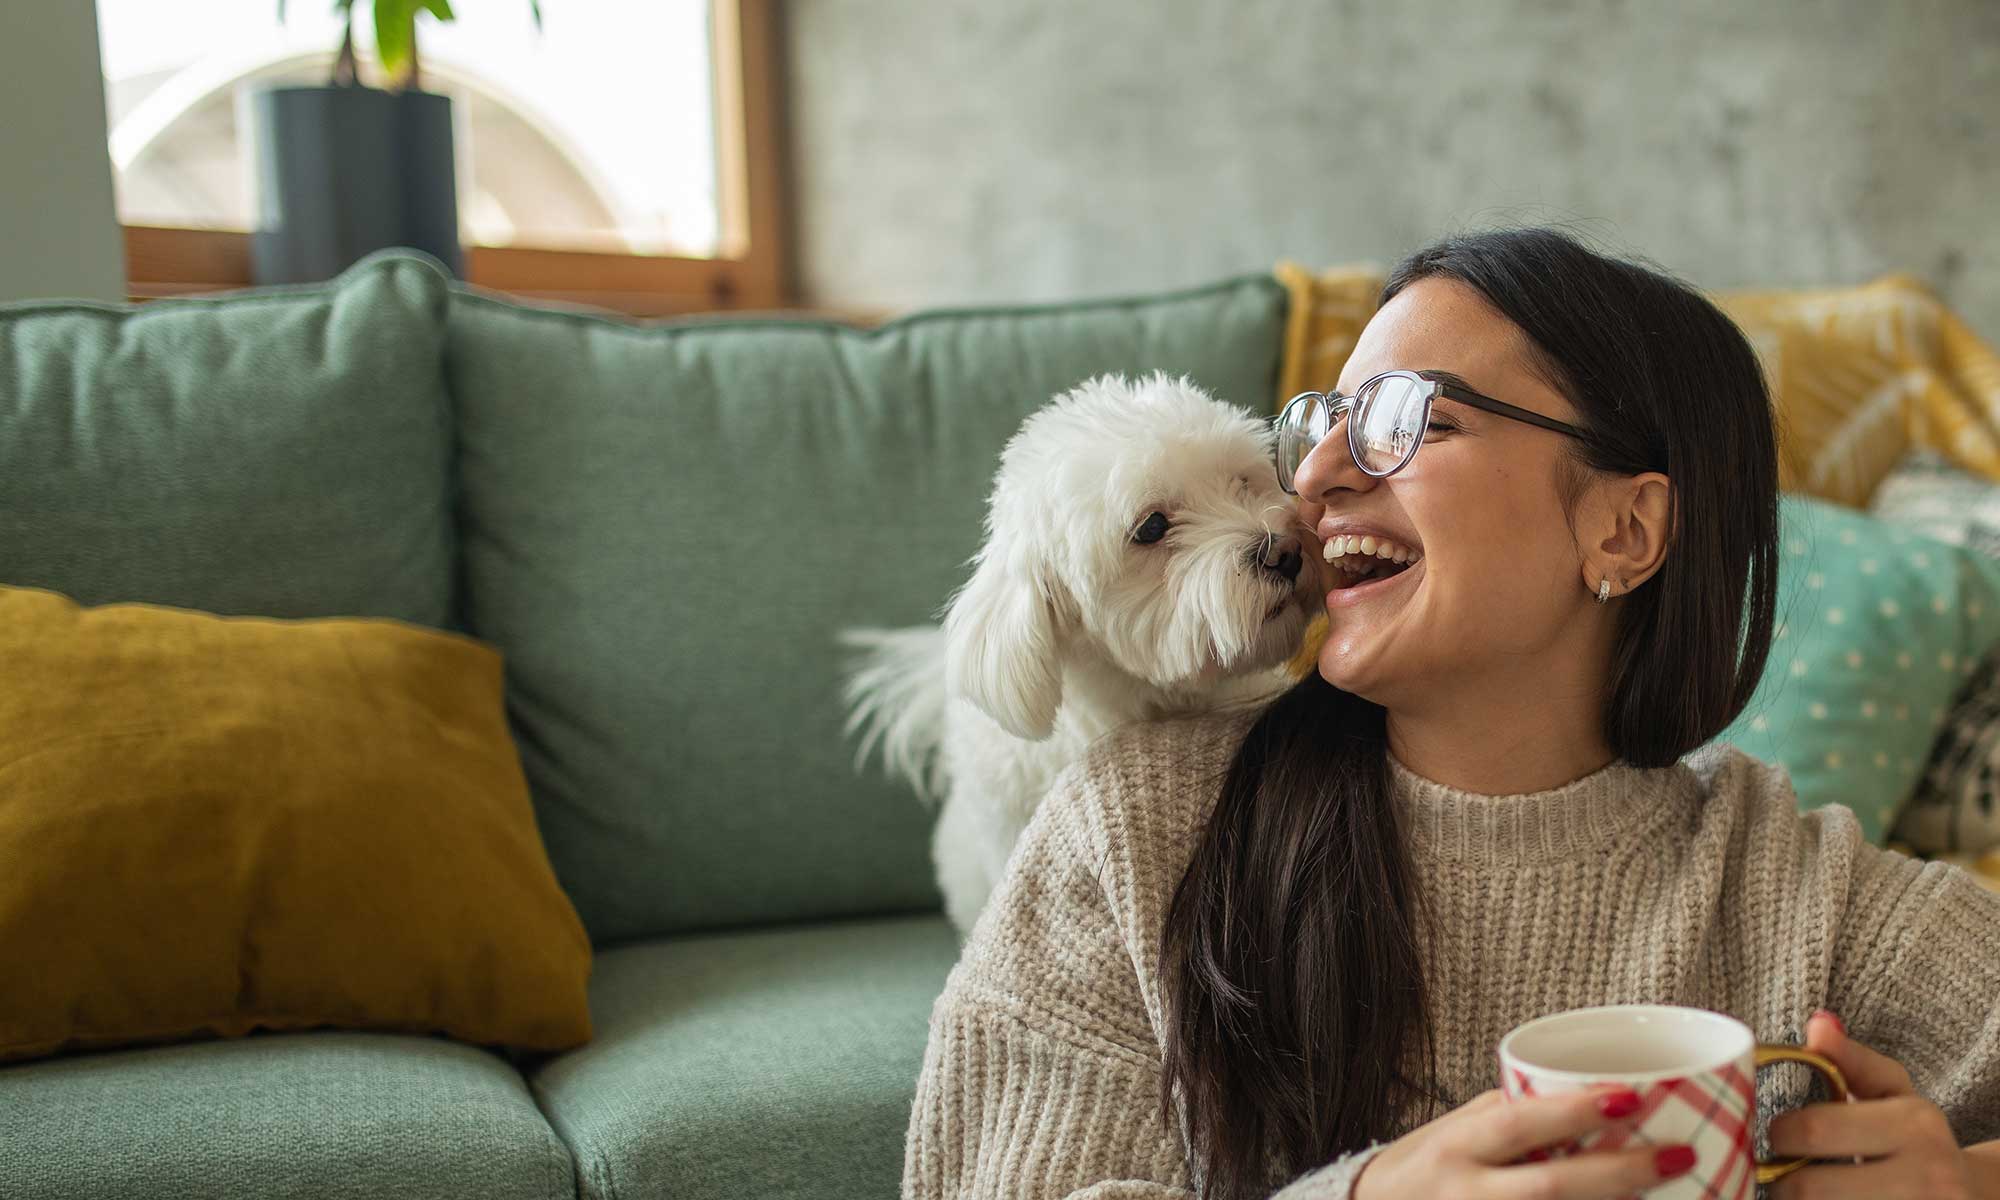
[1152, 531]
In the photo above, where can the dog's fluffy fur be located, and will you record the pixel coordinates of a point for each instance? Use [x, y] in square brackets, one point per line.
[1071, 625]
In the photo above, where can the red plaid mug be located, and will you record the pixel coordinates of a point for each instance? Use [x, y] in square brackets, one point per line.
[1694, 1072]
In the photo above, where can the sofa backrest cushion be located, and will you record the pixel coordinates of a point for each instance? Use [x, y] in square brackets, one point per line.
[665, 527]
[281, 452]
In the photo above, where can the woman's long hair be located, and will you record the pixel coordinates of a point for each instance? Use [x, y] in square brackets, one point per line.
[1296, 1025]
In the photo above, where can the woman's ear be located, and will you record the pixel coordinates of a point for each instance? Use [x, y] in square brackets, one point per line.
[1004, 637]
[1631, 524]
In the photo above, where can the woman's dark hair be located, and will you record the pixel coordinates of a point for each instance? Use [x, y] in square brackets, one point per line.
[1296, 1018]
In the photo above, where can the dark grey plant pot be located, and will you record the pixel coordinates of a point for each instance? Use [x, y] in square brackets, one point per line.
[345, 171]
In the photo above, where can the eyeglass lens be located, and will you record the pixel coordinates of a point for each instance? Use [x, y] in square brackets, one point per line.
[1388, 420]
[1300, 427]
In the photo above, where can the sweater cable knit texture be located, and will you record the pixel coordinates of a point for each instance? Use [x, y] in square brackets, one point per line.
[1697, 884]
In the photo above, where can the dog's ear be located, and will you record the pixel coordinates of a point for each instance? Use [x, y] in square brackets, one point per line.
[1004, 635]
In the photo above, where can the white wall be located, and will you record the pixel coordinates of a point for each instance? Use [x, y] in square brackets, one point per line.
[58, 226]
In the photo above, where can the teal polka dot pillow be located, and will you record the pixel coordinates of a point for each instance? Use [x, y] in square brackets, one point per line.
[1877, 630]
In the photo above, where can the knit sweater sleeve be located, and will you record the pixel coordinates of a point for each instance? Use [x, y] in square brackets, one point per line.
[1042, 1075]
[1916, 976]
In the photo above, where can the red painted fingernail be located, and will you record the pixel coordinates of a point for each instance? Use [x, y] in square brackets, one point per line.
[1618, 1104]
[1830, 1015]
[1673, 1160]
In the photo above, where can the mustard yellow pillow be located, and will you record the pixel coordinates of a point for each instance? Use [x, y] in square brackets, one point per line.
[210, 825]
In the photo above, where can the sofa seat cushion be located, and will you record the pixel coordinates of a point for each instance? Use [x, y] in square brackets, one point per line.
[771, 1063]
[281, 453]
[322, 1115]
[666, 527]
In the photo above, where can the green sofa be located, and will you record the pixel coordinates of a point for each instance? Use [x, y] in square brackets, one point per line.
[661, 527]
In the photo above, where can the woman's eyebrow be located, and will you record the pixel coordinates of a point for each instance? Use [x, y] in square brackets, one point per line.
[1447, 377]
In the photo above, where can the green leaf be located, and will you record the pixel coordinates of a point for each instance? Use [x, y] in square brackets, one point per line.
[395, 33]
[534, 10]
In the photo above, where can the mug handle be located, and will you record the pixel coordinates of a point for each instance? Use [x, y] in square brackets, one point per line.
[1766, 1055]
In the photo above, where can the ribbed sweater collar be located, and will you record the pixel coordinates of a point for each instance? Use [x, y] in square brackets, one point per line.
[1610, 806]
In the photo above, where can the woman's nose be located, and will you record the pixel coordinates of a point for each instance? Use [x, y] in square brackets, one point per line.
[1330, 465]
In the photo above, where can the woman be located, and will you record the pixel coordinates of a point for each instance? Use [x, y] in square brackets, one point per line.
[1277, 949]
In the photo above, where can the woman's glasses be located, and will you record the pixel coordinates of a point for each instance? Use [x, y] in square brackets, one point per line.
[1386, 418]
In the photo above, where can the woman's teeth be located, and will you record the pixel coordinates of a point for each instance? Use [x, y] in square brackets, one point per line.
[1370, 547]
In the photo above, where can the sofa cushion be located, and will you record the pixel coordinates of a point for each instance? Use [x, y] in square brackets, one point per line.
[771, 1063]
[665, 527]
[278, 452]
[1956, 808]
[326, 1116]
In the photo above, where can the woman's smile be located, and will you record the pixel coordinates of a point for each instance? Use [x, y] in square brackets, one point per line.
[1353, 589]
[1361, 558]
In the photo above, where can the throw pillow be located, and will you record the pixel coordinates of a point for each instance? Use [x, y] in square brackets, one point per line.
[1954, 809]
[1324, 316]
[1878, 629]
[1863, 373]
[1930, 496]
[212, 825]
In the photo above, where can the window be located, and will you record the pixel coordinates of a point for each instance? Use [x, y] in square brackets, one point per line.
[622, 155]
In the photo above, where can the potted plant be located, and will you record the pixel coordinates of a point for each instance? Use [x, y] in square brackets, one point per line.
[346, 169]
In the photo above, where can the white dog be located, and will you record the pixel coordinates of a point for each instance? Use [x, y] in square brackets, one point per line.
[1140, 561]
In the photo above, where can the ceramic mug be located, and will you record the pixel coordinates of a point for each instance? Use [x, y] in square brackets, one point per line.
[1695, 1072]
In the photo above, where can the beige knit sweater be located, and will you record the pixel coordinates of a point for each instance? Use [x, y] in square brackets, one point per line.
[1697, 884]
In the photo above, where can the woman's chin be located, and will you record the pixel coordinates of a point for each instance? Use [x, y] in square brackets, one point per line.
[1344, 666]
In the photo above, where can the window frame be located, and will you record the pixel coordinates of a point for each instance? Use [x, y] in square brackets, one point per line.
[752, 266]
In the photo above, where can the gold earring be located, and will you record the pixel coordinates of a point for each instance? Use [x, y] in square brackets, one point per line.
[1603, 590]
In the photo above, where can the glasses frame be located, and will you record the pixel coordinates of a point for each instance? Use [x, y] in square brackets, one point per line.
[1340, 406]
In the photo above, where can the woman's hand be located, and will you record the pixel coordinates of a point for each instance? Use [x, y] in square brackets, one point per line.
[1906, 1142]
[1478, 1150]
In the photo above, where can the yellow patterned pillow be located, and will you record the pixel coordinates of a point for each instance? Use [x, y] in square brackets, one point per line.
[1860, 374]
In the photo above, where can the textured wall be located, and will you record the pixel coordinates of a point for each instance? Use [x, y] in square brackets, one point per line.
[58, 233]
[954, 150]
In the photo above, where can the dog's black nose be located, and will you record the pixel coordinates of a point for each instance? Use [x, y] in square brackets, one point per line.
[1281, 556]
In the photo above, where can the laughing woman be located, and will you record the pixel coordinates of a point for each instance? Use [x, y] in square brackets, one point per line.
[1277, 949]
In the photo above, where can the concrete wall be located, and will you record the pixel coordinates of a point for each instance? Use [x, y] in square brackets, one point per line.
[976, 150]
[58, 227]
